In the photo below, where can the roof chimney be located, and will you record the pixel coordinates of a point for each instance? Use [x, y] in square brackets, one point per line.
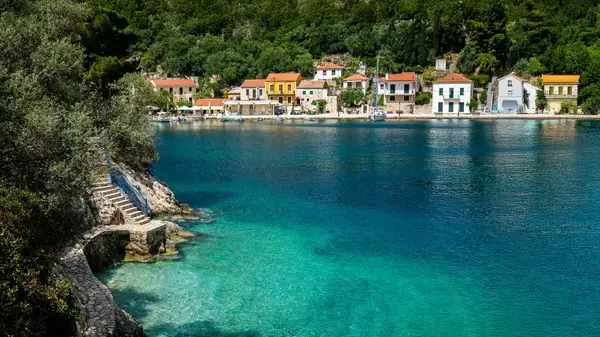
[387, 76]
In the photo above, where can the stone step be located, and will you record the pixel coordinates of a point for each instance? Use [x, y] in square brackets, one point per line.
[129, 207]
[139, 218]
[111, 194]
[122, 203]
[118, 199]
[135, 213]
[144, 221]
[101, 183]
[103, 188]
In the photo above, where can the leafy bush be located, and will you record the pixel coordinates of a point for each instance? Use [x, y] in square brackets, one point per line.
[423, 98]
[480, 80]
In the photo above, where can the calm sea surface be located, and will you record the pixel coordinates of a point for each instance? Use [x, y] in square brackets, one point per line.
[429, 228]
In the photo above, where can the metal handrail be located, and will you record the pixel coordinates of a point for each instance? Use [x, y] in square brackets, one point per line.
[118, 179]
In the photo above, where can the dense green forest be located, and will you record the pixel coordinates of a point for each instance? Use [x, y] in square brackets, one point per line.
[248, 39]
[55, 124]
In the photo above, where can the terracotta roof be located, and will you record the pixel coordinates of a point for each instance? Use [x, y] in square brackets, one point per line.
[318, 84]
[513, 75]
[253, 83]
[212, 101]
[284, 77]
[400, 77]
[329, 65]
[356, 77]
[560, 78]
[173, 82]
[454, 78]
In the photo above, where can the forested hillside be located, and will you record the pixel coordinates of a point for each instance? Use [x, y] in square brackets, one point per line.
[247, 39]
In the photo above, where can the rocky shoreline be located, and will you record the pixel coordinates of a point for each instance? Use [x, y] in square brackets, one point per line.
[115, 239]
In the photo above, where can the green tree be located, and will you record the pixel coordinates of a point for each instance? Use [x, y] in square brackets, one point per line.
[467, 59]
[351, 97]
[320, 104]
[540, 101]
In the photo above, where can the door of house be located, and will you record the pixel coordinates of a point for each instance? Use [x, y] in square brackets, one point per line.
[392, 88]
[406, 88]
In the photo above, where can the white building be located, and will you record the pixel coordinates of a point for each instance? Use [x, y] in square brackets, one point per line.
[182, 89]
[398, 88]
[309, 91]
[328, 71]
[356, 81]
[510, 94]
[253, 90]
[440, 64]
[452, 94]
[515, 95]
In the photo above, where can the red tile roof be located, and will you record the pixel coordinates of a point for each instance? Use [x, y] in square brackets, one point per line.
[173, 82]
[318, 84]
[454, 78]
[400, 77]
[513, 75]
[214, 102]
[253, 83]
[356, 77]
[329, 65]
[284, 77]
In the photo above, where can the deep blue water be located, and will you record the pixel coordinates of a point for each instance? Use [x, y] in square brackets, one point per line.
[429, 228]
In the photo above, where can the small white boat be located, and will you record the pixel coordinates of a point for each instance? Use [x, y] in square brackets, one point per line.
[162, 117]
[377, 117]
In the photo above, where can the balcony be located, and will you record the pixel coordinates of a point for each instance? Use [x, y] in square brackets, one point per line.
[397, 92]
[563, 96]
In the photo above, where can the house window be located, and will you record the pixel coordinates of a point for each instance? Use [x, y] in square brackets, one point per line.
[310, 92]
[289, 100]
[247, 92]
[270, 98]
[333, 73]
[450, 107]
[569, 91]
[560, 90]
[440, 107]
[260, 93]
[181, 91]
[451, 93]
[289, 87]
[510, 93]
[161, 89]
[392, 88]
[551, 90]
[461, 107]
[280, 88]
[190, 99]
[441, 92]
[462, 91]
[392, 98]
[170, 90]
[253, 93]
[303, 92]
[324, 72]
[407, 88]
[280, 100]
[272, 87]
[509, 83]
[382, 87]
[406, 98]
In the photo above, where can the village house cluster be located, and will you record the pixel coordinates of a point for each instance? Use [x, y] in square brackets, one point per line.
[451, 93]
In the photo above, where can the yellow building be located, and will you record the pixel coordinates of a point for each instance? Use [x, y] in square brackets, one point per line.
[560, 89]
[282, 88]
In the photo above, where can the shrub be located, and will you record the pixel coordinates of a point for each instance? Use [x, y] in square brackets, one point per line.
[423, 98]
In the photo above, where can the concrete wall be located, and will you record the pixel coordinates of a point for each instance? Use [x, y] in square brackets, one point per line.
[247, 94]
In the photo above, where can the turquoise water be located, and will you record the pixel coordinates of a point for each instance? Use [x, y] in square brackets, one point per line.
[432, 228]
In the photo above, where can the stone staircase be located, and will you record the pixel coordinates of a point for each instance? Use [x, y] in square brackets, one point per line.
[120, 200]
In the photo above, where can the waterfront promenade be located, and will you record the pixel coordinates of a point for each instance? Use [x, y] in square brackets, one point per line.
[419, 116]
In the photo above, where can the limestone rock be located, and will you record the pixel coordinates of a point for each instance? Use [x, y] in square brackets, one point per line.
[160, 198]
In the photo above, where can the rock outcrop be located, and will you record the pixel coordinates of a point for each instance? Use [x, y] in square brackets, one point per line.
[112, 240]
[160, 198]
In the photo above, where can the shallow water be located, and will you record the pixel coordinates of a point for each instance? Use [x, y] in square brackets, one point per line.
[428, 228]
